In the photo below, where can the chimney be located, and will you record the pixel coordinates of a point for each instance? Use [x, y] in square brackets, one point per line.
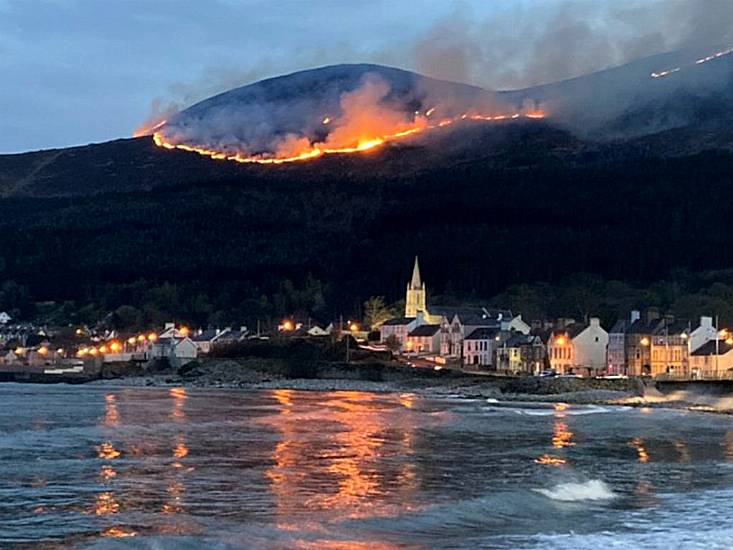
[595, 322]
[169, 326]
[635, 315]
[706, 322]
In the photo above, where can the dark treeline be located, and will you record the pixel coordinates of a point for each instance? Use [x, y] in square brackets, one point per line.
[241, 249]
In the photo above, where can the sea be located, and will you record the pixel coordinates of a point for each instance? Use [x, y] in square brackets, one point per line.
[177, 468]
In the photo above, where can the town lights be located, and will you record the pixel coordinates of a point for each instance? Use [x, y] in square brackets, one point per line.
[560, 340]
[132, 340]
[115, 347]
[43, 350]
[644, 341]
[184, 331]
[286, 326]
[152, 337]
[353, 327]
[141, 338]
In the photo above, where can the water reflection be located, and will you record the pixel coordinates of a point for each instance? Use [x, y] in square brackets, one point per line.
[106, 503]
[107, 451]
[641, 452]
[561, 437]
[179, 399]
[359, 466]
[111, 415]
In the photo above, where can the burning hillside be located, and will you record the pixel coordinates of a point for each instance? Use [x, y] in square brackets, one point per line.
[341, 109]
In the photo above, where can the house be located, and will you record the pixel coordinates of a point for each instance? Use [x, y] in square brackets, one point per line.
[480, 345]
[669, 353]
[514, 323]
[171, 331]
[617, 344]
[702, 334]
[178, 351]
[578, 348]
[317, 330]
[714, 359]
[398, 328]
[204, 340]
[4, 318]
[658, 345]
[638, 339]
[231, 336]
[521, 353]
[423, 339]
[457, 323]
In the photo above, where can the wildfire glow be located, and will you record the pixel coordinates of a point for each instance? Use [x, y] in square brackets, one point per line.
[368, 141]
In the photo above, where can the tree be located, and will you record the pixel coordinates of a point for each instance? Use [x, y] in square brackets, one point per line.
[376, 312]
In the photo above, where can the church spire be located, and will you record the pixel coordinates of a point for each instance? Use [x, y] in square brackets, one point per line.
[416, 283]
[415, 299]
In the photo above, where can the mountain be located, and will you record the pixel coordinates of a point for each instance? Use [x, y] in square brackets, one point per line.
[485, 205]
[643, 97]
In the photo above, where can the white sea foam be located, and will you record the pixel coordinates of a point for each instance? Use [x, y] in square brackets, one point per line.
[594, 489]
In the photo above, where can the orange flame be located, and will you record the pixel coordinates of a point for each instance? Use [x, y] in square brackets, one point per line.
[300, 149]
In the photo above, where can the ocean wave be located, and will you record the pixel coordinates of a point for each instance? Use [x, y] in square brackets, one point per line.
[594, 489]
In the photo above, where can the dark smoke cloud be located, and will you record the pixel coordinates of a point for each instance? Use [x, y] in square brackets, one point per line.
[527, 45]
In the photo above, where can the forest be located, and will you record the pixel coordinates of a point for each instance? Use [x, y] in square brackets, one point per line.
[541, 233]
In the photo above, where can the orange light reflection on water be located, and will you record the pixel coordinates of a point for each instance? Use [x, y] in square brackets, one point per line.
[350, 474]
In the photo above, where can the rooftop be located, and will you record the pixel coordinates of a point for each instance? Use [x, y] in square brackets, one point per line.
[425, 330]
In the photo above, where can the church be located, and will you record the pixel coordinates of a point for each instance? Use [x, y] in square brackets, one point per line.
[416, 300]
[442, 330]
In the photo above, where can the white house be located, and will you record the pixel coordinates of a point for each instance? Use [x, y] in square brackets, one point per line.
[479, 347]
[399, 327]
[423, 339]
[516, 324]
[4, 318]
[712, 360]
[704, 332]
[578, 348]
[317, 330]
[205, 340]
[177, 350]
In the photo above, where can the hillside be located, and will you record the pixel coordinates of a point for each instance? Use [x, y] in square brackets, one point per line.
[485, 205]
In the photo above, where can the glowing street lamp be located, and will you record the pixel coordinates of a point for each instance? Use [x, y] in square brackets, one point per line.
[152, 337]
[644, 341]
[353, 327]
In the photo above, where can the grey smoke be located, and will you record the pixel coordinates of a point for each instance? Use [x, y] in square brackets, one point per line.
[525, 45]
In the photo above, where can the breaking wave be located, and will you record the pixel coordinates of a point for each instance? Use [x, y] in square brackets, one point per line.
[594, 489]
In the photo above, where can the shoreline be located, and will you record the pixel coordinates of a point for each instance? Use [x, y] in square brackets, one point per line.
[582, 397]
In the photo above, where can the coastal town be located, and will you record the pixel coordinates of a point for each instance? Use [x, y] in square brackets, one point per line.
[476, 339]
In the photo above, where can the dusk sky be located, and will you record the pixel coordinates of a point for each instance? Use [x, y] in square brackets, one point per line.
[80, 71]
